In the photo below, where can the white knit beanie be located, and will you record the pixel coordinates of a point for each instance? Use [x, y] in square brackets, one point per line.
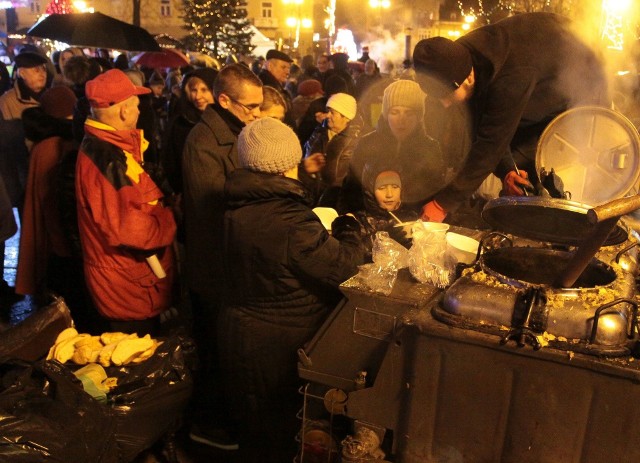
[405, 93]
[343, 103]
[267, 145]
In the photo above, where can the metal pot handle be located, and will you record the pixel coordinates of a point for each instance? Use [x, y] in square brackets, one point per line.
[632, 323]
[619, 255]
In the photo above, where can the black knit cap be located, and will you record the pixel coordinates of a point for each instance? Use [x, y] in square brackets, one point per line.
[277, 54]
[29, 59]
[442, 65]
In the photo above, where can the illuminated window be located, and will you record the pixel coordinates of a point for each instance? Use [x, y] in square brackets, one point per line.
[35, 7]
[266, 9]
[165, 8]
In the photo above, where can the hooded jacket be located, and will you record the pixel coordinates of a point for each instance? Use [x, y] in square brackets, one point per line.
[16, 100]
[528, 69]
[419, 157]
[42, 231]
[122, 221]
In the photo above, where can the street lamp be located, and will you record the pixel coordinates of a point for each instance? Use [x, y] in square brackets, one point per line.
[380, 5]
[297, 22]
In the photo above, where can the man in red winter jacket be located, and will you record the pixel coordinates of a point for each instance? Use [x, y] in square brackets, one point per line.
[125, 230]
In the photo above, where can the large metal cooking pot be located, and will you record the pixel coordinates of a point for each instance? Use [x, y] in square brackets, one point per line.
[492, 293]
[523, 267]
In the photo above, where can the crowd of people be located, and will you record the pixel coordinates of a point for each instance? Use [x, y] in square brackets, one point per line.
[155, 189]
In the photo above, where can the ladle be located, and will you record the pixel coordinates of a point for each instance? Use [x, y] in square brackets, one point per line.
[604, 219]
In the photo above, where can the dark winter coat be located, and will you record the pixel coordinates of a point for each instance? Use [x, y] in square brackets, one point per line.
[529, 68]
[277, 252]
[419, 157]
[284, 269]
[186, 116]
[338, 152]
[210, 155]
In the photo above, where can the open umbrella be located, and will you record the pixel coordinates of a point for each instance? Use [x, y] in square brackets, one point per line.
[95, 30]
[165, 58]
[168, 41]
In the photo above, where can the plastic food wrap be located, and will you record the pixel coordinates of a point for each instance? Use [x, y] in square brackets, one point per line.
[429, 260]
[388, 257]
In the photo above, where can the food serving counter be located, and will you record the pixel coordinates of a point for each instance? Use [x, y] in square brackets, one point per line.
[441, 392]
[530, 356]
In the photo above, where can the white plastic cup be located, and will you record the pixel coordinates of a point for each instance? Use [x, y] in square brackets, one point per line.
[435, 227]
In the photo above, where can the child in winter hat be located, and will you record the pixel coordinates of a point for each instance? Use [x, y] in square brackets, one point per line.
[405, 93]
[267, 145]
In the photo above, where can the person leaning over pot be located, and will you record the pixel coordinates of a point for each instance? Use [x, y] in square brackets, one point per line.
[283, 269]
[515, 76]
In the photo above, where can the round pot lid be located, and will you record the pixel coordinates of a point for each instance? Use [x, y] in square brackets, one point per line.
[594, 150]
[557, 221]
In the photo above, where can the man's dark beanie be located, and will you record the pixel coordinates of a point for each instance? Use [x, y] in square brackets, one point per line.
[442, 65]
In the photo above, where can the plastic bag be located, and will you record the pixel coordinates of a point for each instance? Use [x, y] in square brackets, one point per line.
[31, 339]
[389, 256]
[45, 415]
[429, 260]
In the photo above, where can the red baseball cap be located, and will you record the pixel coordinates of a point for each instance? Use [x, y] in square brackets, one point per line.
[111, 87]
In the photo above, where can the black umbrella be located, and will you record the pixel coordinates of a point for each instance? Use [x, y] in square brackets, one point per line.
[95, 30]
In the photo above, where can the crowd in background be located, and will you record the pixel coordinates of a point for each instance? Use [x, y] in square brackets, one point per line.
[219, 189]
[69, 153]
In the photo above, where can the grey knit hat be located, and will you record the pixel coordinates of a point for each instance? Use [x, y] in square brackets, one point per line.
[403, 93]
[267, 145]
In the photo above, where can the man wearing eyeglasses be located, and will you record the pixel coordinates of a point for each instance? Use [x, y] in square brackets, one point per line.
[210, 155]
[275, 74]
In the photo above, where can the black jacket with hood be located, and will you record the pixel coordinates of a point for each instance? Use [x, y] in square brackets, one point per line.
[529, 68]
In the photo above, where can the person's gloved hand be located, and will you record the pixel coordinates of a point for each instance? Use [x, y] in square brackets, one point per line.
[514, 184]
[399, 234]
[433, 212]
[314, 163]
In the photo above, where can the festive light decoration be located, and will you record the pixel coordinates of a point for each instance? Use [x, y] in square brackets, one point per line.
[484, 10]
[614, 12]
[217, 27]
[60, 7]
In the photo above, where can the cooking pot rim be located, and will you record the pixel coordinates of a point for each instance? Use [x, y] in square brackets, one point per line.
[523, 284]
